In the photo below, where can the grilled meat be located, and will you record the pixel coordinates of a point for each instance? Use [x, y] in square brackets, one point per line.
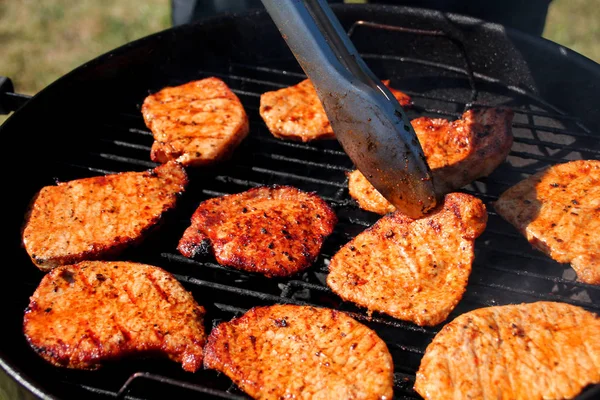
[367, 197]
[276, 231]
[197, 123]
[534, 351]
[297, 113]
[558, 211]
[289, 352]
[415, 270]
[85, 314]
[96, 218]
[457, 152]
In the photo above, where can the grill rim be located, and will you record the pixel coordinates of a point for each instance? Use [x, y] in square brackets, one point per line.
[49, 92]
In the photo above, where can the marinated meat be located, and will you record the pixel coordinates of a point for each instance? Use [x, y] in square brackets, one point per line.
[197, 123]
[276, 231]
[558, 211]
[289, 352]
[457, 152]
[297, 113]
[367, 197]
[415, 270]
[85, 314]
[534, 351]
[96, 218]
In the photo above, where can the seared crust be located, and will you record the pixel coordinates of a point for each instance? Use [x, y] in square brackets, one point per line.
[197, 123]
[415, 270]
[82, 315]
[296, 112]
[457, 152]
[276, 231]
[558, 211]
[96, 218]
[534, 351]
[287, 351]
[367, 197]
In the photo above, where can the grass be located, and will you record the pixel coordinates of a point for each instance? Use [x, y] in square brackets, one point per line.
[44, 39]
[575, 24]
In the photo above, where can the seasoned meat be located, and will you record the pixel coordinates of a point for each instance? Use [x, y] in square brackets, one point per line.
[85, 314]
[276, 231]
[297, 113]
[457, 152]
[197, 123]
[367, 197]
[534, 351]
[415, 270]
[300, 352]
[96, 218]
[558, 211]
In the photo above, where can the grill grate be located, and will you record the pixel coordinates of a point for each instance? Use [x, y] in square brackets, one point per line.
[506, 268]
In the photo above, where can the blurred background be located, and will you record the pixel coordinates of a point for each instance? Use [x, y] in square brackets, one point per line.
[44, 39]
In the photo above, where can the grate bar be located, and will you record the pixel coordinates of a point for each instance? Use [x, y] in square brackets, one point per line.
[243, 79]
[231, 309]
[269, 70]
[556, 146]
[128, 160]
[297, 177]
[532, 256]
[245, 182]
[555, 279]
[169, 381]
[411, 349]
[548, 159]
[552, 129]
[409, 92]
[532, 293]
[121, 143]
[297, 145]
[245, 93]
[239, 291]
[304, 162]
[464, 72]
[91, 169]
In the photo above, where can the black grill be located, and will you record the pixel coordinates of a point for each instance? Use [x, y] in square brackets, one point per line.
[506, 268]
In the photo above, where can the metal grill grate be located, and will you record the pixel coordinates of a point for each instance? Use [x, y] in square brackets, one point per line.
[506, 268]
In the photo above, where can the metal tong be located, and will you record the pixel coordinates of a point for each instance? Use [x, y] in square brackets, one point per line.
[366, 118]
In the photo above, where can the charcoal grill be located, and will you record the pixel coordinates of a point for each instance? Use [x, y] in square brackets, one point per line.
[88, 123]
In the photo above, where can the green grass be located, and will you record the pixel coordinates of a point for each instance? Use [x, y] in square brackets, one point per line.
[575, 24]
[44, 39]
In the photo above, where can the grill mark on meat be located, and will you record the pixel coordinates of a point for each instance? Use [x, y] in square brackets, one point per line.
[124, 332]
[470, 345]
[416, 273]
[544, 351]
[92, 336]
[130, 295]
[502, 361]
[308, 358]
[98, 217]
[197, 123]
[157, 287]
[270, 230]
[86, 328]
